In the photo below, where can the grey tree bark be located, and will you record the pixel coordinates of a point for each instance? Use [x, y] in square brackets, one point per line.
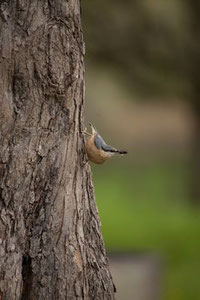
[50, 239]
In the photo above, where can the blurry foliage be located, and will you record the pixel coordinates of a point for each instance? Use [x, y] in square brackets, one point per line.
[152, 44]
[154, 47]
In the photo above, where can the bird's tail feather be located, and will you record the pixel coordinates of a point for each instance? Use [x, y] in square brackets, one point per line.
[121, 152]
[118, 151]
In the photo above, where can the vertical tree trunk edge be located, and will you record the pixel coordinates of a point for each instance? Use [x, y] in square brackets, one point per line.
[51, 245]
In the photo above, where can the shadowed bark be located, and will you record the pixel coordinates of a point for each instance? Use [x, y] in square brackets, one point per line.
[50, 239]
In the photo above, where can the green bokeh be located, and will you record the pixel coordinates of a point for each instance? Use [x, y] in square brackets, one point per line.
[144, 207]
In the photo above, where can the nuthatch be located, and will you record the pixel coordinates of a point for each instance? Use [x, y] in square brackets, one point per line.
[97, 150]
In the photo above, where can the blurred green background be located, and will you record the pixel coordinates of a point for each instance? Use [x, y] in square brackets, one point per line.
[142, 94]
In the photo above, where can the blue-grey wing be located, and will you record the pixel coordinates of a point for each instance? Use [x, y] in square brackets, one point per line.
[108, 148]
[101, 144]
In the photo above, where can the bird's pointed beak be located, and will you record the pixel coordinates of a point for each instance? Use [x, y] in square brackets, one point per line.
[93, 128]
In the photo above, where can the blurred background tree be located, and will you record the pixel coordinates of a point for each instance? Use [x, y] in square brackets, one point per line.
[154, 46]
[148, 52]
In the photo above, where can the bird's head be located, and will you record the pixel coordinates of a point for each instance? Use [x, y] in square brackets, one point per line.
[94, 131]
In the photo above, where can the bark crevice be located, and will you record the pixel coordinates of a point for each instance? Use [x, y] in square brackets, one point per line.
[26, 277]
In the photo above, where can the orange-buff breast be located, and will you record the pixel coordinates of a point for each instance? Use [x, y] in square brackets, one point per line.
[95, 155]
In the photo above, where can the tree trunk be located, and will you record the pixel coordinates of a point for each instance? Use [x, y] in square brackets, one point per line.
[50, 239]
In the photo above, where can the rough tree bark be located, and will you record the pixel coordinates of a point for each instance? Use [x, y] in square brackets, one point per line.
[50, 239]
